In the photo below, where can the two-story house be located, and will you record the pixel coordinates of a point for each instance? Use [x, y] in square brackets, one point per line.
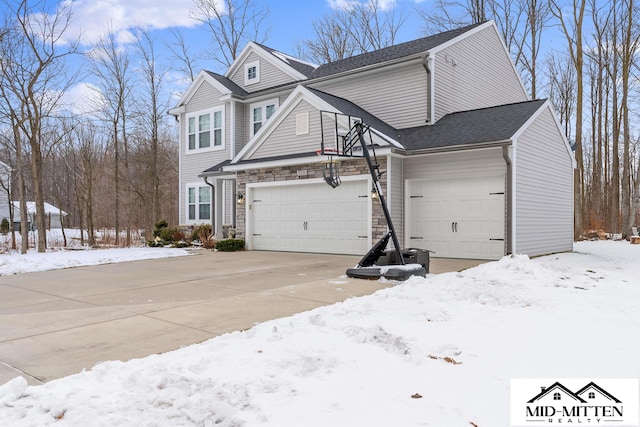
[472, 167]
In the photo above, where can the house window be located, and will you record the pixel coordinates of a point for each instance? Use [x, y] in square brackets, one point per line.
[556, 396]
[261, 112]
[198, 203]
[592, 395]
[204, 131]
[251, 72]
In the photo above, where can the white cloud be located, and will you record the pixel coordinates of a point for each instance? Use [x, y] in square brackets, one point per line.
[93, 18]
[383, 5]
[83, 99]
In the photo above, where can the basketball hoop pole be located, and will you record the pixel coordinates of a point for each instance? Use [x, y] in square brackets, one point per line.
[359, 127]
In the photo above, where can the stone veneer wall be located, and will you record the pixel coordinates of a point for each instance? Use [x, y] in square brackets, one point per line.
[304, 172]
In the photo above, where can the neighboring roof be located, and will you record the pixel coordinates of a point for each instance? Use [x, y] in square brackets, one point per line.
[31, 208]
[492, 124]
[295, 63]
[228, 83]
[390, 53]
[351, 109]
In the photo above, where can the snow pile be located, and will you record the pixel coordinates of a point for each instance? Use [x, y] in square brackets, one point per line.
[438, 351]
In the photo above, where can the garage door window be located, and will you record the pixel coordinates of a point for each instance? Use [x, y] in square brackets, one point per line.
[198, 203]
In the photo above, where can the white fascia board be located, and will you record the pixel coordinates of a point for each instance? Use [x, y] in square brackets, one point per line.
[267, 56]
[296, 161]
[202, 77]
[546, 106]
[473, 31]
[300, 93]
[176, 111]
[462, 36]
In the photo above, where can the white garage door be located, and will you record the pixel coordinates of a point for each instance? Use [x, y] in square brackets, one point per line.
[310, 218]
[458, 217]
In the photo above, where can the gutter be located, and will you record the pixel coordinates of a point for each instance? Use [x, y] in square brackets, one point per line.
[509, 199]
[494, 144]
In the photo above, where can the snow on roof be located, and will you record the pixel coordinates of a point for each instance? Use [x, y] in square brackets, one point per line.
[48, 208]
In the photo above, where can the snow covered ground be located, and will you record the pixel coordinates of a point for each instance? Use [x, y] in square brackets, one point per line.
[438, 351]
[57, 257]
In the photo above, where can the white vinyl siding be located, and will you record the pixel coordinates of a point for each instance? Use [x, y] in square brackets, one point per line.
[270, 75]
[395, 194]
[475, 72]
[194, 162]
[396, 95]
[284, 140]
[543, 190]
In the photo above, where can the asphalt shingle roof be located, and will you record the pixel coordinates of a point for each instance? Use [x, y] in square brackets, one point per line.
[294, 63]
[485, 125]
[389, 53]
[228, 83]
[351, 109]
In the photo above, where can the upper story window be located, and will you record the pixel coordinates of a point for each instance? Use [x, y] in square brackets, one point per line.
[261, 112]
[205, 131]
[251, 72]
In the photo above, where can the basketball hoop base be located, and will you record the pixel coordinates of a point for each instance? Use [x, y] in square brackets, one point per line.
[390, 272]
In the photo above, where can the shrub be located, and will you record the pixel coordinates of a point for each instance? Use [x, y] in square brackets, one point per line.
[204, 235]
[4, 226]
[230, 245]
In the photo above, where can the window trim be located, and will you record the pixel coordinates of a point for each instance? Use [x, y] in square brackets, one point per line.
[196, 115]
[247, 67]
[197, 220]
[263, 106]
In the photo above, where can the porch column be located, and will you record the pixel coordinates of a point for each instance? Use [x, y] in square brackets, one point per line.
[217, 208]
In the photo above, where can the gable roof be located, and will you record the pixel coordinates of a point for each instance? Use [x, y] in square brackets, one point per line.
[287, 64]
[390, 53]
[486, 125]
[31, 208]
[227, 83]
[299, 65]
[221, 83]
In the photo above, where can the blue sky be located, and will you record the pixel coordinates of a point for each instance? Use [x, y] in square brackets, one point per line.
[290, 21]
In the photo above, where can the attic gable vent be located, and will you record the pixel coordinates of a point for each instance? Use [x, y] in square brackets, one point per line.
[302, 123]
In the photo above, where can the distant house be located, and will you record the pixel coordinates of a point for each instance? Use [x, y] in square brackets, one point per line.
[54, 214]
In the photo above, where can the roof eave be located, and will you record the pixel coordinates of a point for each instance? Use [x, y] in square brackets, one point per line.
[459, 147]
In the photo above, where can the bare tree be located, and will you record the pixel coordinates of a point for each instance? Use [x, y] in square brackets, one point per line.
[359, 28]
[151, 107]
[572, 28]
[110, 65]
[232, 23]
[33, 69]
[184, 56]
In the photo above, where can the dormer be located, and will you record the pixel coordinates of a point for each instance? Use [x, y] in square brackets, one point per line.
[259, 67]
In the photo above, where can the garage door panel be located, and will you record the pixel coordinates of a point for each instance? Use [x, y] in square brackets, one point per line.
[458, 217]
[311, 218]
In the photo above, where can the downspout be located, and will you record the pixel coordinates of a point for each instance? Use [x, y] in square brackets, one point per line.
[427, 63]
[506, 155]
[213, 207]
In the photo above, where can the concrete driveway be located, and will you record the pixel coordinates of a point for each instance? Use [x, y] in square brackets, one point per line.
[56, 323]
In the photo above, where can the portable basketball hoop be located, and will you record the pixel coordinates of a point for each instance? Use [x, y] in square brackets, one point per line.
[346, 138]
[330, 168]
